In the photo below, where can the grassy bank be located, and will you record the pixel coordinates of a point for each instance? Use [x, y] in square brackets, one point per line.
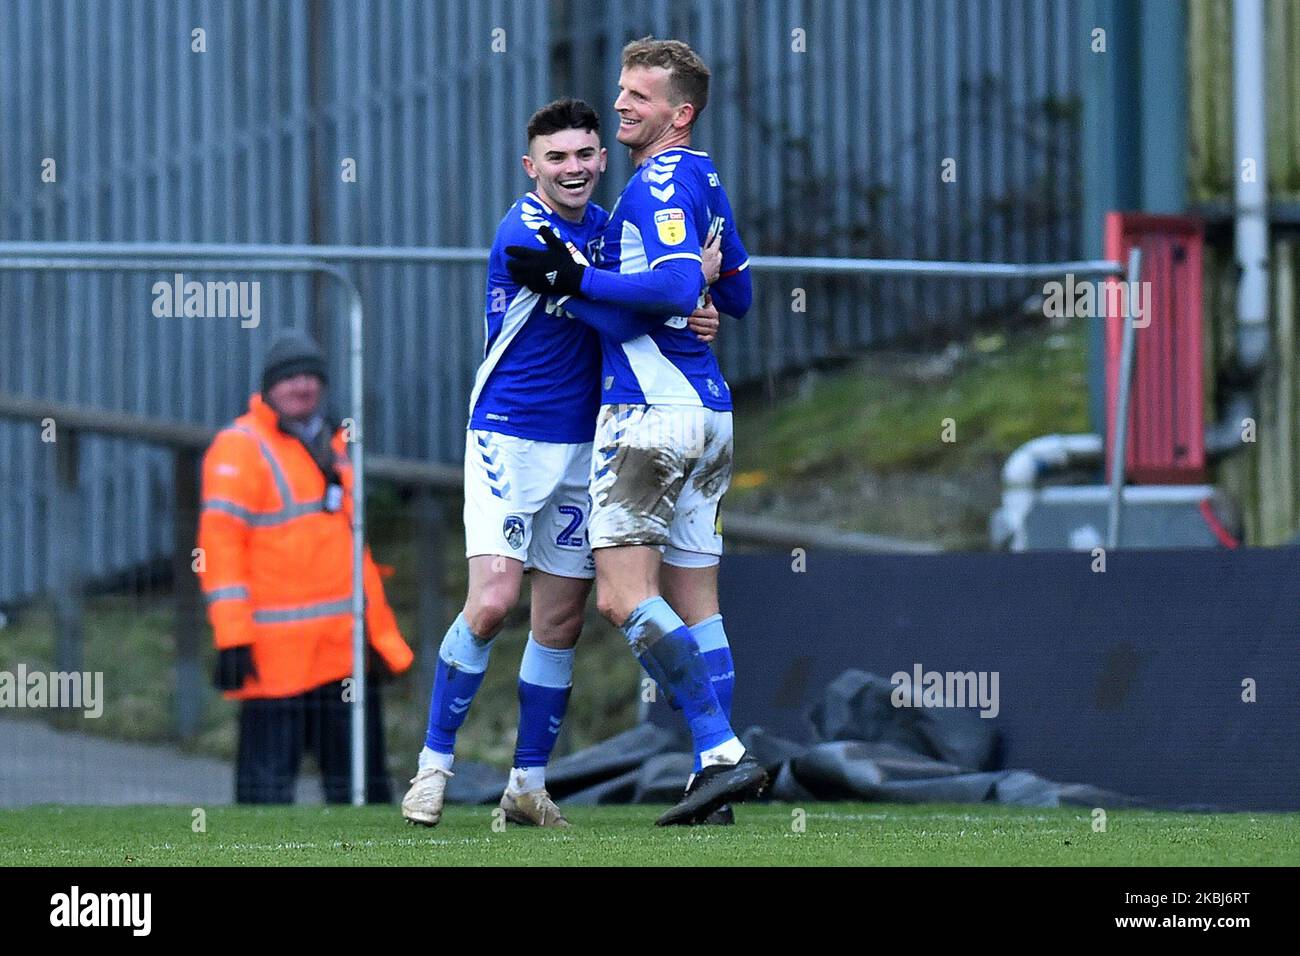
[908, 444]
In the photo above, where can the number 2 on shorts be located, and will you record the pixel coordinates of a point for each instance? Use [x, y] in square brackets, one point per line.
[565, 538]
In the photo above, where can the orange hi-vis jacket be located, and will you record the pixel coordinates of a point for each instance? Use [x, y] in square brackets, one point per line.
[277, 567]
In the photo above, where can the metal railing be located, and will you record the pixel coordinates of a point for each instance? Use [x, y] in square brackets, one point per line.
[78, 256]
[431, 255]
[1119, 444]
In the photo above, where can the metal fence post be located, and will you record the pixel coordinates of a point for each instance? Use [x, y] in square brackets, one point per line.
[430, 621]
[1119, 449]
[188, 619]
[67, 554]
[357, 451]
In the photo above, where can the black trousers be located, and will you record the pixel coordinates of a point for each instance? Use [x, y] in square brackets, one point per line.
[274, 732]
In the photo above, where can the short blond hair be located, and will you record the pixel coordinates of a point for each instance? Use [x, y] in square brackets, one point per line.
[688, 76]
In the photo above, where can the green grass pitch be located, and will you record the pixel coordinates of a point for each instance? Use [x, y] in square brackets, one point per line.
[765, 835]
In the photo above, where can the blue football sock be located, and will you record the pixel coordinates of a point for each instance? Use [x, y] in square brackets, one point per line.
[665, 648]
[462, 661]
[712, 640]
[545, 681]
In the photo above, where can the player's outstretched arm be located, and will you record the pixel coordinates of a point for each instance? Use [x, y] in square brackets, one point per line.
[671, 288]
[611, 321]
[621, 324]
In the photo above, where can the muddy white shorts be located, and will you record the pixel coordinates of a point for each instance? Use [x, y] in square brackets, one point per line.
[658, 474]
[528, 500]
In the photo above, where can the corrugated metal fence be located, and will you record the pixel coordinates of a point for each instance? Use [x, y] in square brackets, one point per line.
[1265, 478]
[1209, 51]
[831, 122]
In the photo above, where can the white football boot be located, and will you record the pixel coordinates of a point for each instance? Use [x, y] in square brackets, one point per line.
[423, 802]
[533, 808]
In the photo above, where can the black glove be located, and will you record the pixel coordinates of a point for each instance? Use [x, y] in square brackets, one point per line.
[549, 271]
[377, 668]
[234, 666]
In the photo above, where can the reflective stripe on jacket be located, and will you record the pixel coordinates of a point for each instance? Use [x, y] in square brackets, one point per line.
[277, 567]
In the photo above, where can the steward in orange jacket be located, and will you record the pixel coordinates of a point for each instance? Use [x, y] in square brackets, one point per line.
[276, 539]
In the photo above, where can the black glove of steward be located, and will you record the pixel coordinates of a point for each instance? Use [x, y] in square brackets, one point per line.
[234, 666]
[377, 668]
[549, 271]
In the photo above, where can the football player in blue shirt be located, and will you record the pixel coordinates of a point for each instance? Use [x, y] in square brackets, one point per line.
[663, 447]
[532, 415]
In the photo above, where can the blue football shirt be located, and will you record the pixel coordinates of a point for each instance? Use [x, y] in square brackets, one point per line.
[671, 206]
[540, 377]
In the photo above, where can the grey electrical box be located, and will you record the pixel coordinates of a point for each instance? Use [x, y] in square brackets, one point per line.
[1154, 516]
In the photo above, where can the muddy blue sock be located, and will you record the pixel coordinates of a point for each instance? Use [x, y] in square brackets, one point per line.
[669, 654]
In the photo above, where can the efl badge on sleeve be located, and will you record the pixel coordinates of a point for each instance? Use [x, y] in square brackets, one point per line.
[671, 226]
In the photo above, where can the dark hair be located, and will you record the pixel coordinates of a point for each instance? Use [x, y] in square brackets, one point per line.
[689, 77]
[563, 114]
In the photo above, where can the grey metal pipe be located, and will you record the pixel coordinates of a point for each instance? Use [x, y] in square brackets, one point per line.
[1119, 448]
[1250, 145]
[106, 421]
[933, 269]
[401, 471]
[441, 254]
[1020, 476]
[1250, 228]
[774, 532]
[82, 262]
[217, 250]
[358, 450]
[447, 479]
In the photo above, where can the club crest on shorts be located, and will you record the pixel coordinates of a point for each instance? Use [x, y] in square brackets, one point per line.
[671, 226]
[513, 531]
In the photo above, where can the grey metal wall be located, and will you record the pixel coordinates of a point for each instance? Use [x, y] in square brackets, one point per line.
[835, 148]
[838, 149]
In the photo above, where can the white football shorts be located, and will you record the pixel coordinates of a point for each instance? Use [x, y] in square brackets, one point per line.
[528, 500]
[658, 474]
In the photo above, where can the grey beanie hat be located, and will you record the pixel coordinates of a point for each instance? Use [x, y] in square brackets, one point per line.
[292, 353]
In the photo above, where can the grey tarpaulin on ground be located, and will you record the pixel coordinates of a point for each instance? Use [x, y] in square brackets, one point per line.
[865, 749]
